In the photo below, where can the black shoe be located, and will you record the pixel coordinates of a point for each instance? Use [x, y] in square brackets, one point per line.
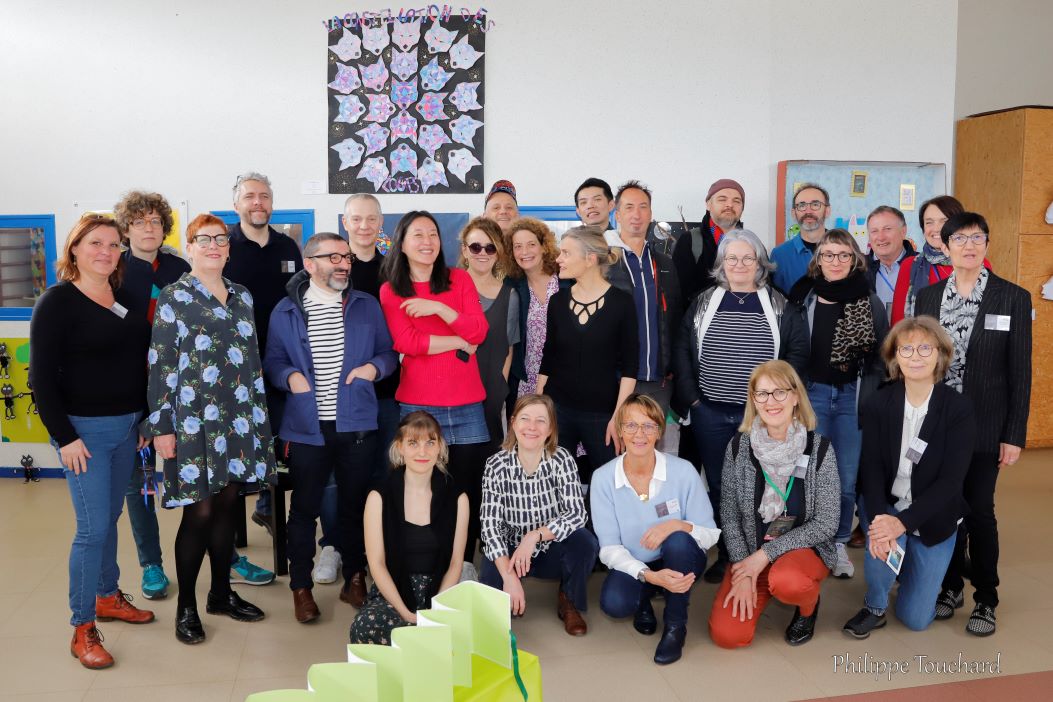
[801, 628]
[715, 574]
[981, 621]
[671, 646]
[234, 607]
[644, 621]
[863, 623]
[264, 521]
[188, 627]
[947, 602]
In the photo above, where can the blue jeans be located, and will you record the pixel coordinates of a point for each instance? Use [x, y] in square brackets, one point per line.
[461, 424]
[142, 515]
[835, 410]
[570, 561]
[714, 425]
[98, 499]
[622, 594]
[920, 579]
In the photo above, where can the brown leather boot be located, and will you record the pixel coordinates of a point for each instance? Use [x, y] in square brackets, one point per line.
[354, 590]
[858, 539]
[86, 647]
[573, 623]
[304, 605]
[119, 606]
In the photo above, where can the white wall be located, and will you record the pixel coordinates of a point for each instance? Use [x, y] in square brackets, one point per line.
[183, 95]
[1004, 56]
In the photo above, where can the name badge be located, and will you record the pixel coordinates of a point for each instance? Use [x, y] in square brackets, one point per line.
[779, 526]
[664, 509]
[288, 266]
[916, 449]
[801, 468]
[895, 558]
[996, 322]
[119, 309]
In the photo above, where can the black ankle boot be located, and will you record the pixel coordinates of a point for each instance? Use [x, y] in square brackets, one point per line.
[188, 627]
[644, 621]
[234, 607]
[671, 645]
[801, 628]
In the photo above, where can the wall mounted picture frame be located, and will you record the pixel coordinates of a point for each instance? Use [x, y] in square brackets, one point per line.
[906, 197]
[859, 184]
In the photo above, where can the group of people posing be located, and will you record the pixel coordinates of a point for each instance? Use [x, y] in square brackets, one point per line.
[514, 403]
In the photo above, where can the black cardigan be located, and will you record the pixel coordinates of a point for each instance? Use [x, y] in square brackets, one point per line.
[936, 481]
[997, 363]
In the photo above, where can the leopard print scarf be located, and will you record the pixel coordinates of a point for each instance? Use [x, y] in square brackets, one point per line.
[854, 335]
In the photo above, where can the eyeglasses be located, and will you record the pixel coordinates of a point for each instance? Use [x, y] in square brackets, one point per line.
[478, 248]
[843, 257]
[814, 206]
[204, 240]
[924, 350]
[649, 429]
[141, 223]
[979, 238]
[761, 396]
[336, 258]
[746, 261]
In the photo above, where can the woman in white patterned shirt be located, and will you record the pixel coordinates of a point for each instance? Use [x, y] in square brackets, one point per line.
[533, 514]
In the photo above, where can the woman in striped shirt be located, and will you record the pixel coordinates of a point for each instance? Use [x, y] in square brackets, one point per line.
[728, 331]
[533, 514]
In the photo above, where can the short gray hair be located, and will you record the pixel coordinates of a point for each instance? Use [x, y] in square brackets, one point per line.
[363, 196]
[315, 242]
[764, 265]
[251, 175]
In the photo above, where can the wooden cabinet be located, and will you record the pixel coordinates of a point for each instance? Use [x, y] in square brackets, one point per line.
[1004, 170]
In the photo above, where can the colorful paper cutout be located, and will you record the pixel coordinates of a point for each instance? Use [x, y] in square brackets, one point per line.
[405, 35]
[380, 108]
[349, 47]
[463, 55]
[375, 136]
[432, 136]
[431, 173]
[404, 93]
[374, 76]
[375, 39]
[461, 161]
[438, 38]
[375, 171]
[404, 65]
[465, 97]
[350, 153]
[430, 106]
[403, 127]
[463, 129]
[433, 77]
[346, 79]
[351, 108]
[404, 160]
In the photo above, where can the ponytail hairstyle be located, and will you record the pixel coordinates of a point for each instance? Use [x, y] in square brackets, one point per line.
[592, 242]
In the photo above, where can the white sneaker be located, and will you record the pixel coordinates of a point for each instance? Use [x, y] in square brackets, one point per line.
[329, 564]
[844, 567]
[468, 572]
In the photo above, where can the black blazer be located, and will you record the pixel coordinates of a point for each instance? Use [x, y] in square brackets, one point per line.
[936, 481]
[997, 363]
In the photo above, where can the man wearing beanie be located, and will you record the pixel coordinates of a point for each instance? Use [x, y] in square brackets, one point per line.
[501, 205]
[695, 252]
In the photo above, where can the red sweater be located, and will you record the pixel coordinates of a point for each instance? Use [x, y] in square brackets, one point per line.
[439, 380]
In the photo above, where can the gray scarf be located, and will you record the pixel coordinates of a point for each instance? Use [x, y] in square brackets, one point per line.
[778, 459]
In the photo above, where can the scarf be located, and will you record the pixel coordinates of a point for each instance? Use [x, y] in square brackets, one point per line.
[854, 335]
[778, 459]
[921, 273]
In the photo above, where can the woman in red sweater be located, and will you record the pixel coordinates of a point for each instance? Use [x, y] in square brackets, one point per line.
[437, 323]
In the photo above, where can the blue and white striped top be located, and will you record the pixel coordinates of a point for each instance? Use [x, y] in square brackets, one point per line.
[738, 340]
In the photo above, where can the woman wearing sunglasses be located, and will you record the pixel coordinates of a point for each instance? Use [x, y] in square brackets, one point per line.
[483, 256]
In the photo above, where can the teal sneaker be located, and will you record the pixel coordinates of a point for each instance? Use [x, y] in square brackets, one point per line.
[155, 583]
[245, 573]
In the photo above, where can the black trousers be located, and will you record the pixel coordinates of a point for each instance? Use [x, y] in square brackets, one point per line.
[982, 527]
[348, 457]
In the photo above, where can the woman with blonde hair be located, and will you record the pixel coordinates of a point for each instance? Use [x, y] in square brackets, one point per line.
[533, 514]
[779, 506]
[416, 527]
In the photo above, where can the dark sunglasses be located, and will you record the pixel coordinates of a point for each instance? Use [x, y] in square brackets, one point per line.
[477, 249]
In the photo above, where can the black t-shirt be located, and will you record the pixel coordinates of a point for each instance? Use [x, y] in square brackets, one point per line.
[422, 548]
[823, 324]
[143, 281]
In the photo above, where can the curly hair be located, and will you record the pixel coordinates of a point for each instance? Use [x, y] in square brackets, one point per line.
[545, 237]
[493, 232]
[138, 203]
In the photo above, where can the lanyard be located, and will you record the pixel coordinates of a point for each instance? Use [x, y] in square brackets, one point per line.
[784, 495]
[885, 278]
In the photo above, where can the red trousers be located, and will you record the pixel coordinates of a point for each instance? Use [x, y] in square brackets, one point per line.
[794, 578]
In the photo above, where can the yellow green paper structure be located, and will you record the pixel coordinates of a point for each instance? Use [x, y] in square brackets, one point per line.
[459, 651]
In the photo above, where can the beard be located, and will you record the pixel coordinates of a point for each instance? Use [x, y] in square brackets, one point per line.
[335, 283]
[810, 224]
[259, 219]
[726, 222]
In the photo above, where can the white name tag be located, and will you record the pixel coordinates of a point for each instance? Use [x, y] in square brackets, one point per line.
[119, 309]
[668, 507]
[801, 466]
[288, 266]
[916, 449]
[996, 322]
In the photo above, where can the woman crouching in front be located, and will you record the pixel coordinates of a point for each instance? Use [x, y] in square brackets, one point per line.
[780, 505]
[416, 526]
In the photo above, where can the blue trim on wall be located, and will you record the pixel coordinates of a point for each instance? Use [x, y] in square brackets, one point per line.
[47, 223]
[17, 472]
[554, 213]
[305, 218]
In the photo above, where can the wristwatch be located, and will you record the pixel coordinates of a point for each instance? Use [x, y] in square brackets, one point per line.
[640, 575]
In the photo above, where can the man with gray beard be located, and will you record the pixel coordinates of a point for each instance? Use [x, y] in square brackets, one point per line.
[696, 251]
[811, 205]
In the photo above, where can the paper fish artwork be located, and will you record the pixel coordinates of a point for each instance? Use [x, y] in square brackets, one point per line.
[406, 105]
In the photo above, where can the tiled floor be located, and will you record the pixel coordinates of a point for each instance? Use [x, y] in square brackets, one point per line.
[611, 663]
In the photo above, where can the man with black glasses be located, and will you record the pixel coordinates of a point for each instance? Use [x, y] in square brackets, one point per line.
[811, 205]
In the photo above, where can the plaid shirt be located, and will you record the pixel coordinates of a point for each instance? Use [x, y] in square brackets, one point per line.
[515, 503]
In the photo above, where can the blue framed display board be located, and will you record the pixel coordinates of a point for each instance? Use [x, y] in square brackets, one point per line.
[32, 263]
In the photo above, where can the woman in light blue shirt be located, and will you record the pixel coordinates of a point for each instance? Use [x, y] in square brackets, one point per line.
[654, 523]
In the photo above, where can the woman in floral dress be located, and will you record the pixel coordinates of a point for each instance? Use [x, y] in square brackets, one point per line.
[208, 418]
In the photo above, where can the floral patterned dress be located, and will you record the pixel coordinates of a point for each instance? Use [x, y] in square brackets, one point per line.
[536, 330]
[206, 387]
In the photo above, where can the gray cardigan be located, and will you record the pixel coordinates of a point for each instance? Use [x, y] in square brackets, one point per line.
[738, 509]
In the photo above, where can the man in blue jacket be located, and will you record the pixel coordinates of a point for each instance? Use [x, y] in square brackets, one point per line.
[327, 344]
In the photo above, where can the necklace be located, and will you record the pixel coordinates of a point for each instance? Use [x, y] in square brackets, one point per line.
[742, 300]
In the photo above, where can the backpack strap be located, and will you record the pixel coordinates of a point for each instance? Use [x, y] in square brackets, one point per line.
[697, 245]
[735, 445]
